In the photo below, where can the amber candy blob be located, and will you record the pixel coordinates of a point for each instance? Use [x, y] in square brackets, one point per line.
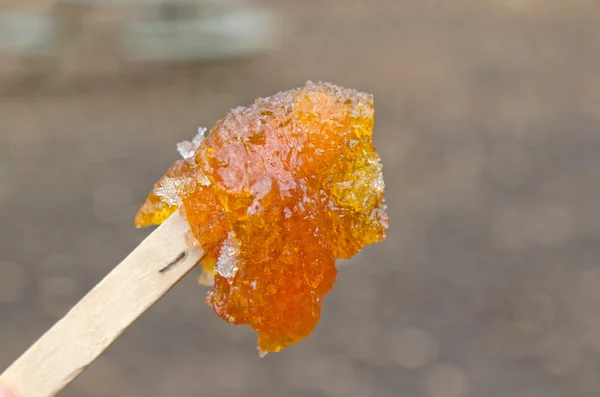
[274, 195]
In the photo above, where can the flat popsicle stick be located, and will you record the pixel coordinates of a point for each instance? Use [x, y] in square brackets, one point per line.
[130, 289]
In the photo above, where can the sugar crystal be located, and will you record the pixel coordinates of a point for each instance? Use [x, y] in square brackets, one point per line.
[228, 257]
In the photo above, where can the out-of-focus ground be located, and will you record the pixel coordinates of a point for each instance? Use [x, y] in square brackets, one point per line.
[488, 123]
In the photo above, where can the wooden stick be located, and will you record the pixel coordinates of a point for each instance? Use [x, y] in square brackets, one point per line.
[130, 289]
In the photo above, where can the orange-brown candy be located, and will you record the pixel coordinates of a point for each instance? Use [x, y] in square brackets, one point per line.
[274, 195]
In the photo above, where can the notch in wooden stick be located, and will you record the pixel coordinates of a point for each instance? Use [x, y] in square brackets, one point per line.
[131, 288]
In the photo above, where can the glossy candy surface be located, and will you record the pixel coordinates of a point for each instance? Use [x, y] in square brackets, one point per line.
[274, 195]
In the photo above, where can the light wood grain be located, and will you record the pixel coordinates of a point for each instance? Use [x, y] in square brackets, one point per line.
[76, 340]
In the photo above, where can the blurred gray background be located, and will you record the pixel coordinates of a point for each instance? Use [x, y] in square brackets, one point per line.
[488, 123]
